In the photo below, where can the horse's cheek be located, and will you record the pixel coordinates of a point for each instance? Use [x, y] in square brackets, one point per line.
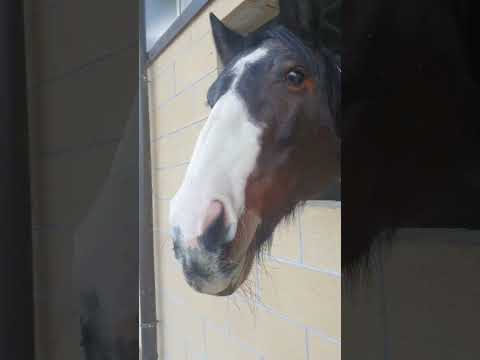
[255, 193]
[269, 193]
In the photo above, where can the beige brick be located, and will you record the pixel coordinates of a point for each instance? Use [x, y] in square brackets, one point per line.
[200, 25]
[196, 62]
[272, 336]
[160, 217]
[192, 351]
[168, 181]
[222, 347]
[171, 344]
[184, 321]
[188, 107]
[166, 255]
[172, 52]
[217, 309]
[319, 348]
[213, 308]
[177, 148]
[163, 266]
[172, 115]
[161, 86]
[153, 150]
[158, 243]
[171, 282]
[315, 300]
[155, 223]
[154, 175]
[199, 93]
[249, 289]
[321, 231]
[221, 8]
[286, 241]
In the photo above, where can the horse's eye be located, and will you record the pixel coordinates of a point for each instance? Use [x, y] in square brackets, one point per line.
[295, 77]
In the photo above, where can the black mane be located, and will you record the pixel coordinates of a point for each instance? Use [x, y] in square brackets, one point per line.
[409, 113]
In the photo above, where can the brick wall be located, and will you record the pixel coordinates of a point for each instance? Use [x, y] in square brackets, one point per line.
[292, 310]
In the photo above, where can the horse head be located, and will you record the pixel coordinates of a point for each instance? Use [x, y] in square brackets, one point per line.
[268, 145]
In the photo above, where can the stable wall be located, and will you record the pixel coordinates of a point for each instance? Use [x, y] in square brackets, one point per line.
[82, 83]
[293, 309]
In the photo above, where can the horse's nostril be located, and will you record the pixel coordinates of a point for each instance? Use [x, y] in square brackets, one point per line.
[176, 250]
[215, 212]
[215, 230]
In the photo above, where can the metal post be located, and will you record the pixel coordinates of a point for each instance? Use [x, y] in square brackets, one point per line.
[148, 318]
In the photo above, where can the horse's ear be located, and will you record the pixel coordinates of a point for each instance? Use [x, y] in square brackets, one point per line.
[227, 42]
[316, 21]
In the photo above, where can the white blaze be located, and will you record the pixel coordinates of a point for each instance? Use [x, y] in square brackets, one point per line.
[224, 156]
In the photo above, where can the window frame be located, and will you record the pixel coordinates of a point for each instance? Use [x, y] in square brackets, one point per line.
[179, 24]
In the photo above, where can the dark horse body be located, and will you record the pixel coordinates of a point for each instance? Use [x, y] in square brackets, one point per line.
[410, 127]
[404, 124]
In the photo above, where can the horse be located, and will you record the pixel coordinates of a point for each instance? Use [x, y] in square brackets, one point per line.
[269, 144]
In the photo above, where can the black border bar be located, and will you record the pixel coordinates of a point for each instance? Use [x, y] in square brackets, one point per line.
[16, 276]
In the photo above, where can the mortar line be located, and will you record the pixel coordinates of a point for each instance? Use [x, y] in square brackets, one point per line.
[184, 90]
[209, 323]
[160, 137]
[307, 267]
[296, 323]
[324, 203]
[187, 46]
[312, 331]
[168, 167]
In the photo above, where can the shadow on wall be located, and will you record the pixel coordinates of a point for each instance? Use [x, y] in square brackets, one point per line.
[420, 295]
[106, 259]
